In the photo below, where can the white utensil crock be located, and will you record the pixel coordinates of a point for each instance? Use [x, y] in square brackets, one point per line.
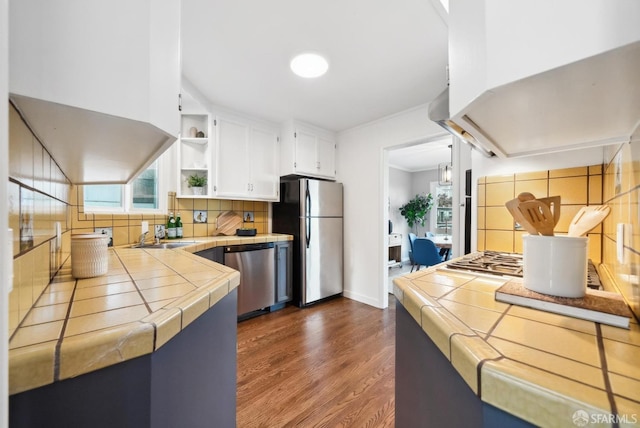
[555, 265]
[89, 255]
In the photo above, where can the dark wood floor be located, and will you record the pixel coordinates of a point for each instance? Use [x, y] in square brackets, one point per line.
[329, 365]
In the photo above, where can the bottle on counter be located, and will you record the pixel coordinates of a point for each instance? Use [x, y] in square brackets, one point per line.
[178, 227]
[171, 227]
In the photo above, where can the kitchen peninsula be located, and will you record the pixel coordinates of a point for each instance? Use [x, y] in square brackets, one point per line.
[465, 359]
[150, 344]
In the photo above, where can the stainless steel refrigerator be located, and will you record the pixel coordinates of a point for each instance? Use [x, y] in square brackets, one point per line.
[311, 211]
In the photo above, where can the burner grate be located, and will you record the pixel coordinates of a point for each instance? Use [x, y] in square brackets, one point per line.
[510, 264]
[491, 262]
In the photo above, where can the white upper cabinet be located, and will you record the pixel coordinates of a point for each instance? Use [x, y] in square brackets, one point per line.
[246, 160]
[538, 76]
[307, 150]
[101, 76]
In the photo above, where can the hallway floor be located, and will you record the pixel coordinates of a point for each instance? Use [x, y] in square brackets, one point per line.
[398, 271]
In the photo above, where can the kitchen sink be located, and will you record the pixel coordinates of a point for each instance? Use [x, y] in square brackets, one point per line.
[165, 245]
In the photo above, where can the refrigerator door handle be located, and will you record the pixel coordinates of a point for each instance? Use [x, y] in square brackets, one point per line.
[307, 214]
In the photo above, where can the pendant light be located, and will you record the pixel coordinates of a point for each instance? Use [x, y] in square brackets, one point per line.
[445, 173]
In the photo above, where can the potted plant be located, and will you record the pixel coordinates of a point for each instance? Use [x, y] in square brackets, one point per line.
[197, 183]
[416, 210]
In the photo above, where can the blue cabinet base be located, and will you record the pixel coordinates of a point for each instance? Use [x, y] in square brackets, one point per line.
[429, 390]
[190, 382]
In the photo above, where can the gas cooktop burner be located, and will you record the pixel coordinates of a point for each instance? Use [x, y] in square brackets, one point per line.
[509, 264]
[491, 262]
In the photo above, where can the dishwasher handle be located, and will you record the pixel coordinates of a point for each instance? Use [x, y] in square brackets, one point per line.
[248, 247]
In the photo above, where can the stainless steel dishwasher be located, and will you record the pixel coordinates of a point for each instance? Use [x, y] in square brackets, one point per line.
[256, 264]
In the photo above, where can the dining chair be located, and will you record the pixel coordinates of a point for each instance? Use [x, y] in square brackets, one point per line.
[425, 253]
[444, 252]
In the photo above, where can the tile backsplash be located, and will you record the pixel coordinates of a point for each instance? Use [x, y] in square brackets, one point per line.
[621, 229]
[40, 196]
[614, 245]
[576, 186]
[127, 227]
[38, 199]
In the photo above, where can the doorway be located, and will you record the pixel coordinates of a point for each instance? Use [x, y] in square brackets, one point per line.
[410, 169]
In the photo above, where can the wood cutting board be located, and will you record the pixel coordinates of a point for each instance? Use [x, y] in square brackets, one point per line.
[227, 223]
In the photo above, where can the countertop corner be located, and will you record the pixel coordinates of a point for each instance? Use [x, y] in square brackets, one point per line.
[539, 366]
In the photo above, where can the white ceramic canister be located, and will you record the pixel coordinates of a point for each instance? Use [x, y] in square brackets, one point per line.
[89, 255]
[555, 265]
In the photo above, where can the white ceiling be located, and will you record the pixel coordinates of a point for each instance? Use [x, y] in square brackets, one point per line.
[421, 157]
[384, 56]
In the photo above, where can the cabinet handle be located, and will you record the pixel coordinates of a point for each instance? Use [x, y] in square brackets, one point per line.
[317, 165]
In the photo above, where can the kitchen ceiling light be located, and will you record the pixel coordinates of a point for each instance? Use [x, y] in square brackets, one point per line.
[309, 65]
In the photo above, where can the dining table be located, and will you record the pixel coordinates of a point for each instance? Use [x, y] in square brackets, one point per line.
[443, 242]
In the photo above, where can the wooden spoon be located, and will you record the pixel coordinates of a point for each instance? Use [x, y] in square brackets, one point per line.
[538, 215]
[526, 196]
[588, 218]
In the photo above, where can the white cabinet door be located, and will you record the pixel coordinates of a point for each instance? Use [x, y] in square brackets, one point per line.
[265, 180]
[306, 155]
[246, 161]
[326, 155]
[233, 175]
[118, 57]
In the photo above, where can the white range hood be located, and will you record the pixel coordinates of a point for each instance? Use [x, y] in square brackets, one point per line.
[92, 147]
[97, 82]
[591, 102]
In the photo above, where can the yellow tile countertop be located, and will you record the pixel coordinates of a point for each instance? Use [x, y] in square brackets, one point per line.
[538, 366]
[146, 298]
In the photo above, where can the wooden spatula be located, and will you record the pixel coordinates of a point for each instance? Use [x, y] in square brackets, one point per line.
[513, 207]
[539, 215]
[588, 218]
[553, 202]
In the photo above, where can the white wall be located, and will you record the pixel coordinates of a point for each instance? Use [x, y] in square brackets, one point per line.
[421, 184]
[6, 261]
[400, 191]
[361, 165]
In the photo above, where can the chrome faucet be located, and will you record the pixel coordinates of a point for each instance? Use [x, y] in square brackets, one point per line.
[142, 238]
